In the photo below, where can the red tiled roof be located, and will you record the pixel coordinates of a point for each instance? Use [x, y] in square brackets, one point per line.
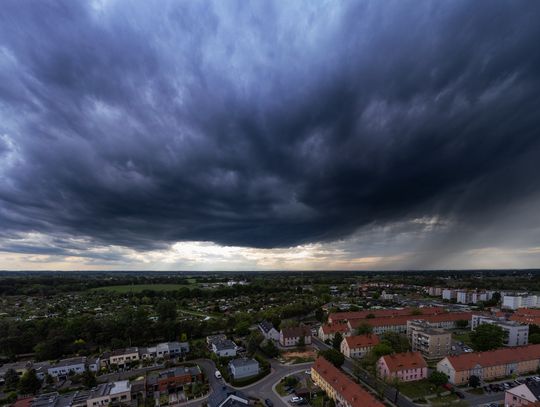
[403, 361]
[348, 316]
[402, 319]
[344, 385]
[25, 402]
[361, 341]
[526, 316]
[335, 327]
[497, 357]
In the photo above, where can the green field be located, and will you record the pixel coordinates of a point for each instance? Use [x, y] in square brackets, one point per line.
[137, 288]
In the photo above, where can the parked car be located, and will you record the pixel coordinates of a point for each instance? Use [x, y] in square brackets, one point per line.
[297, 400]
[447, 386]
[460, 395]
[217, 374]
[268, 403]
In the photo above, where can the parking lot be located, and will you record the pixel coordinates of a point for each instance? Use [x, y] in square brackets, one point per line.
[295, 396]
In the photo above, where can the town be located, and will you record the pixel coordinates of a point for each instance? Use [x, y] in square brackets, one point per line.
[345, 339]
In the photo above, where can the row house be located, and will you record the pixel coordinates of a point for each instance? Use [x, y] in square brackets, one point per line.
[165, 350]
[121, 357]
[528, 316]
[405, 367]
[358, 346]
[110, 394]
[383, 313]
[340, 387]
[491, 365]
[172, 380]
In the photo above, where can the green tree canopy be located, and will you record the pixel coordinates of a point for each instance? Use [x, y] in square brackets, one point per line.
[336, 341]
[438, 378]
[364, 328]
[333, 356]
[487, 337]
[29, 383]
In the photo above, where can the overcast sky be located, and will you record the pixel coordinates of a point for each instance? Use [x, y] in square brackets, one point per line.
[269, 135]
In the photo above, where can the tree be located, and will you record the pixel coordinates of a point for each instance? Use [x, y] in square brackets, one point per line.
[333, 356]
[320, 315]
[29, 383]
[336, 341]
[438, 378]
[242, 328]
[364, 328]
[474, 381]
[534, 338]
[11, 379]
[166, 311]
[462, 323]
[381, 349]
[370, 316]
[487, 337]
[302, 342]
[398, 342]
[255, 338]
[416, 311]
[270, 349]
[88, 379]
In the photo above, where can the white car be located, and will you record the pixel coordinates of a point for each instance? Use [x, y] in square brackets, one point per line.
[296, 399]
[308, 372]
[217, 374]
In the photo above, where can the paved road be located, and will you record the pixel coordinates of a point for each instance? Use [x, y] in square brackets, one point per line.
[367, 379]
[262, 389]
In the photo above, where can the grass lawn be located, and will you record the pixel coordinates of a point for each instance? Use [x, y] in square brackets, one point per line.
[462, 336]
[137, 288]
[279, 389]
[417, 389]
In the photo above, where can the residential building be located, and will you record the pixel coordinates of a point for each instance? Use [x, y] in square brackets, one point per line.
[432, 343]
[528, 316]
[120, 357]
[435, 291]
[448, 294]
[463, 297]
[520, 301]
[66, 367]
[522, 395]
[110, 394]
[244, 368]
[268, 331]
[172, 380]
[224, 348]
[383, 313]
[327, 331]
[164, 350]
[516, 334]
[54, 399]
[399, 323]
[215, 338]
[340, 387]
[291, 336]
[492, 364]
[233, 400]
[406, 367]
[359, 345]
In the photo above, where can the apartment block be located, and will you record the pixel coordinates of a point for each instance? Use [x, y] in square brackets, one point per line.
[432, 343]
[516, 334]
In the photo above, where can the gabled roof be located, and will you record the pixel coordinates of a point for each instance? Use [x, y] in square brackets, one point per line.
[329, 329]
[497, 357]
[402, 319]
[403, 361]
[381, 313]
[355, 394]
[266, 326]
[296, 332]
[362, 341]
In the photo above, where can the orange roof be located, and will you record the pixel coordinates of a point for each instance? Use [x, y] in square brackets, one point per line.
[497, 357]
[25, 402]
[335, 327]
[348, 316]
[404, 361]
[355, 394]
[402, 319]
[362, 341]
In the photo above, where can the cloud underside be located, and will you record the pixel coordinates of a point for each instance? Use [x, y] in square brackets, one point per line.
[385, 134]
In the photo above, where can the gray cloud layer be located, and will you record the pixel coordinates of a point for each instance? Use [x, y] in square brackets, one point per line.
[266, 125]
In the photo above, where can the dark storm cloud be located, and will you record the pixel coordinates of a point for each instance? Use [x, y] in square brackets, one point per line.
[264, 125]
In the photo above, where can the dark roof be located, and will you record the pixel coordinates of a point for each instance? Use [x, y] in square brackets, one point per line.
[266, 326]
